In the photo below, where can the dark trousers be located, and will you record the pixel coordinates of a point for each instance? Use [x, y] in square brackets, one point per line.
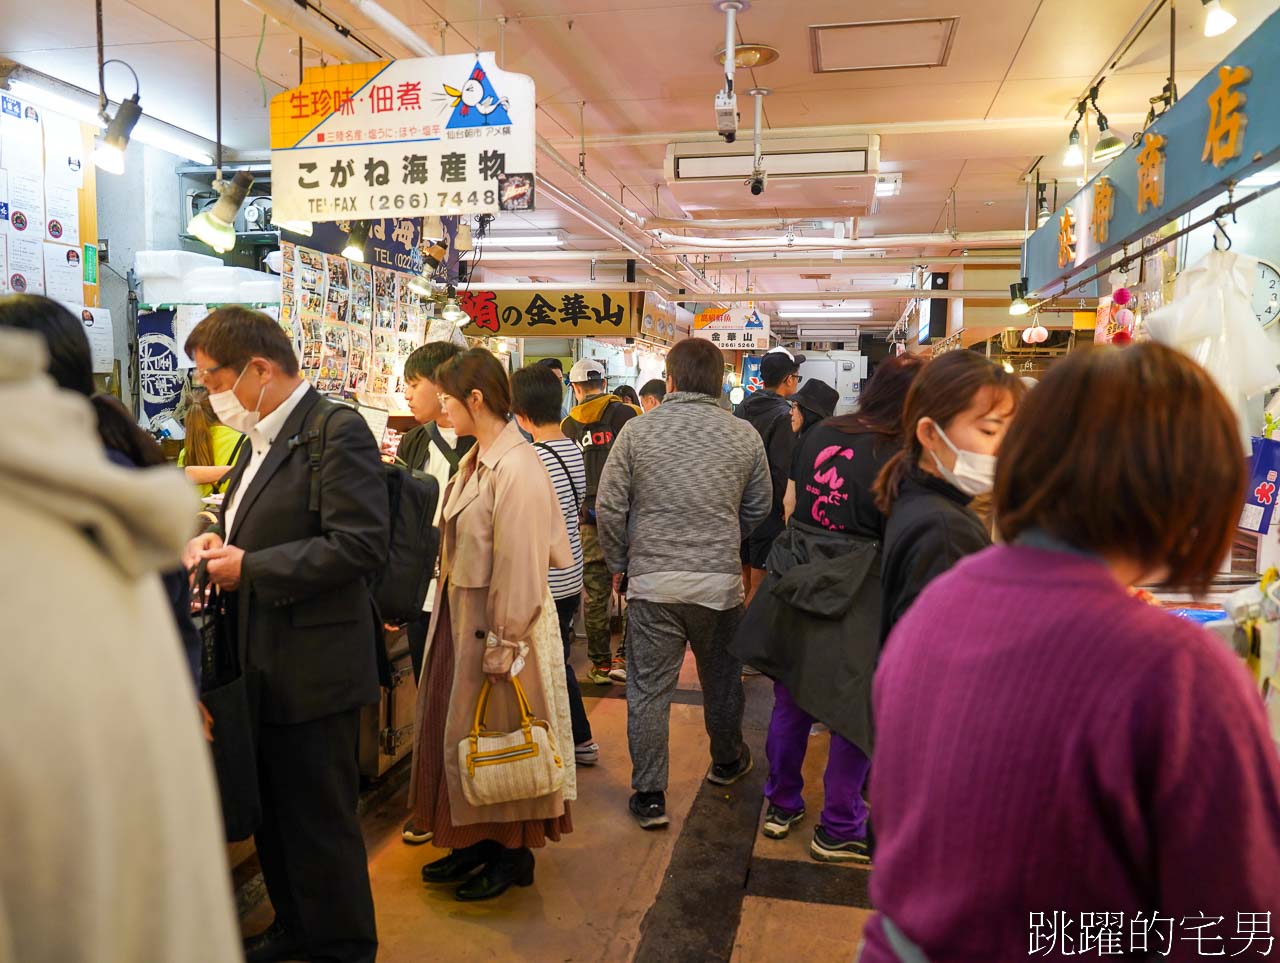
[567, 608]
[310, 845]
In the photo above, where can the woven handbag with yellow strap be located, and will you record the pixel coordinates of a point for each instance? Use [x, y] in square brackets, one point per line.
[502, 767]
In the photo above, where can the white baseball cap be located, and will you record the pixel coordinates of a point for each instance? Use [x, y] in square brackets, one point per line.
[797, 358]
[588, 369]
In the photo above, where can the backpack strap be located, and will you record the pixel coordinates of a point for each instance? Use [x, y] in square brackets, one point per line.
[312, 435]
[216, 487]
[451, 455]
[577, 500]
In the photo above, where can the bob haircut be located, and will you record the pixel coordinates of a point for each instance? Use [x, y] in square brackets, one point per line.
[476, 370]
[943, 389]
[1127, 451]
[696, 365]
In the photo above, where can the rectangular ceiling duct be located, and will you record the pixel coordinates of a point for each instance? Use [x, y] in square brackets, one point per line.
[818, 157]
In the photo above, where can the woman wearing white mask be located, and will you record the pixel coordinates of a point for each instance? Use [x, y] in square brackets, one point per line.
[956, 415]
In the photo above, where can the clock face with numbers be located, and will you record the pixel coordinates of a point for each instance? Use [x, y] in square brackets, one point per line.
[1266, 294]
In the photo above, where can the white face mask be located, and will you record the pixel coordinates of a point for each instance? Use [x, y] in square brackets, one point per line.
[974, 474]
[233, 414]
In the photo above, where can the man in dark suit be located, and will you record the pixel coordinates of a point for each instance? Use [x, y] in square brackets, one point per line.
[305, 620]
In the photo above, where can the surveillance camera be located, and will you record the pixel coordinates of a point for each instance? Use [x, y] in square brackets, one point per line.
[757, 182]
[727, 115]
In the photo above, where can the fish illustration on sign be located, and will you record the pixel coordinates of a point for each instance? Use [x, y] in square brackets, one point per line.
[476, 103]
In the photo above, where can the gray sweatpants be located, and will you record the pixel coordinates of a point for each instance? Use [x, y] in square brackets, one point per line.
[656, 636]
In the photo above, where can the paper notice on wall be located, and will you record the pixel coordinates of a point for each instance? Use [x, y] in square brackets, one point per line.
[26, 265]
[62, 214]
[4, 265]
[185, 318]
[63, 273]
[97, 327]
[21, 143]
[26, 205]
[63, 151]
[4, 202]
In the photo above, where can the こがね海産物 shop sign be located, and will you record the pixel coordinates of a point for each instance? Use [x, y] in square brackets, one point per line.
[738, 328]
[403, 138]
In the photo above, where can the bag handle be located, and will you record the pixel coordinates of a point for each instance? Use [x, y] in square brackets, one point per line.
[482, 708]
[577, 500]
[216, 487]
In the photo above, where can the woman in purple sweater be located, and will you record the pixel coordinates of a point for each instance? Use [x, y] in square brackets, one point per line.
[1050, 749]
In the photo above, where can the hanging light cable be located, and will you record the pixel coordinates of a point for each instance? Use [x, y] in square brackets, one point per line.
[109, 155]
[216, 226]
[1074, 157]
[1109, 145]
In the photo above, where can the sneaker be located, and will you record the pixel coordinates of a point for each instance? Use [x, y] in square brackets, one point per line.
[599, 675]
[650, 809]
[619, 671]
[778, 821]
[586, 753]
[727, 775]
[415, 835]
[825, 848]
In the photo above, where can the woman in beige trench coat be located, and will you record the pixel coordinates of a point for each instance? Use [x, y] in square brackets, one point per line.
[502, 529]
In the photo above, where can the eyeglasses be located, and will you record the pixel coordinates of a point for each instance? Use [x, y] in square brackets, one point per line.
[201, 374]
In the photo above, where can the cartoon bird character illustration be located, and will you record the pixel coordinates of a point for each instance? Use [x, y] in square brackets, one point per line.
[472, 97]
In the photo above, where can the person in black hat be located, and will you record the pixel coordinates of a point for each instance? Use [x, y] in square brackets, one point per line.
[814, 402]
[769, 412]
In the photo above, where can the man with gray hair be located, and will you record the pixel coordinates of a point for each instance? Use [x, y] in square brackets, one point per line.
[682, 487]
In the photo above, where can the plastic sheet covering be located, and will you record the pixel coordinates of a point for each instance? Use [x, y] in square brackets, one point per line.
[1211, 319]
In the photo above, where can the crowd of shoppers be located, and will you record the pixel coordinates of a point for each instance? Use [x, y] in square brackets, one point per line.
[1027, 716]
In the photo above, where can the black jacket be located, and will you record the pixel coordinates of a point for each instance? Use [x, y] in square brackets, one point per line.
[304, 615]
[414, 445]
[814, 626]
[930, 528]
[770, 415]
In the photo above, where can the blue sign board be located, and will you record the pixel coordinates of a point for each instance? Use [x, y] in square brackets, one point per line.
[1183, 159]
[393, 243]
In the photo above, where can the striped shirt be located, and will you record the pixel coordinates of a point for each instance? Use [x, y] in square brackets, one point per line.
[570, 487]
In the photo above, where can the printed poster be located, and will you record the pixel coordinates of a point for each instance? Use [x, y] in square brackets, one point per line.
[63, 273]
[4, 264]
[26, 205]
[62, 214]
[26, 265]
[4, 204]
[386, 297]
[63, 151]
[21, 143]
[359, 358]
[337, 298]
[335, 347]
[97, 327]
[361, 281]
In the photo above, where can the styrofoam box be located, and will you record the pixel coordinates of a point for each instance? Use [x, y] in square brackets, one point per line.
[171, 264]
[260, 291]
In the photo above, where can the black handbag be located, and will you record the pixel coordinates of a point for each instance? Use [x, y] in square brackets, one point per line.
[230, 694]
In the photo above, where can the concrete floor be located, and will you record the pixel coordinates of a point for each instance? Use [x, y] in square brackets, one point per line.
[767, 900]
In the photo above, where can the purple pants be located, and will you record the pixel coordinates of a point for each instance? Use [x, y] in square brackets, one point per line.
[844, 814]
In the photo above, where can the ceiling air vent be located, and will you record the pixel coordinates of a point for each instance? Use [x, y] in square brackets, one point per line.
[815, 277]
[882, 44]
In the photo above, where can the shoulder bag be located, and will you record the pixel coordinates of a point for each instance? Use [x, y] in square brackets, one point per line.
[503, 767]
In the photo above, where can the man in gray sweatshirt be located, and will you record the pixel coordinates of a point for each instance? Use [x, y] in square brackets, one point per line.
[681, 489]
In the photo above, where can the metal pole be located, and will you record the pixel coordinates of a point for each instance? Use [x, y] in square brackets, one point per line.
[730, 44]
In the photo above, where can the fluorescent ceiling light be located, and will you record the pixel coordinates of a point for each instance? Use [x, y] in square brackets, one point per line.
[41, 97]
[888, 185]
[801, 313]
[823, 163]
[520, 240]
[831, 334]
[83, 106]
[1261, 179]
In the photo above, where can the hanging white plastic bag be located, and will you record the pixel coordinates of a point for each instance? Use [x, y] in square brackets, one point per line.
[1211, 320]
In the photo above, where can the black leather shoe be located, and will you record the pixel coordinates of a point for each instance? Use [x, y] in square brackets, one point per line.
[274, 944]
[461, 863]
[513, 868]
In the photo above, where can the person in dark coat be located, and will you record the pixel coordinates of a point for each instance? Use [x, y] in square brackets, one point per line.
[814, 402]
[814, 625]
[956, 416]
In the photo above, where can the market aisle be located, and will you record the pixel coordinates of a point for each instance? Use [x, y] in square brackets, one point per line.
[709, 887]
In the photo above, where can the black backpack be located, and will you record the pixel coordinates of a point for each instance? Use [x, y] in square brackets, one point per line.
[401, 587]
[596, 441]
